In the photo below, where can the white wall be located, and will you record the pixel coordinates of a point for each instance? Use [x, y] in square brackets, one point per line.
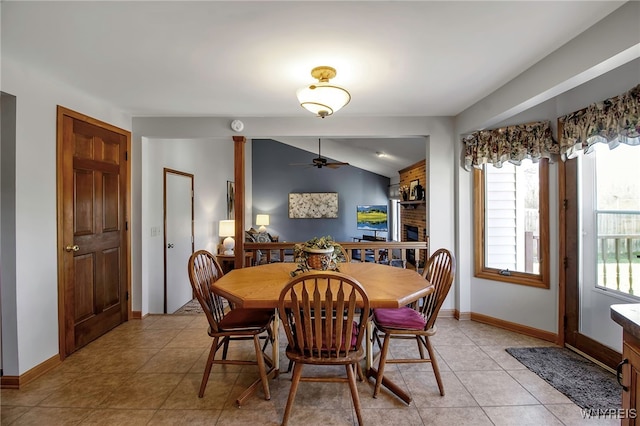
[603, 47]
[36, 233]
[539, 94]
[535, 307]
[439, 151]
[211, 163]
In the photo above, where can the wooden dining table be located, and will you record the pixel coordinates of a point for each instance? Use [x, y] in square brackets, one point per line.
[386, 287]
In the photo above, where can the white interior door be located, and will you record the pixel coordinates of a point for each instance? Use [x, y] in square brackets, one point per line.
[610, 238]
[178, 211]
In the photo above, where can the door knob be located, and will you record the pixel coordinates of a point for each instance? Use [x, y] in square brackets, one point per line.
[170, 245]
[72, 248]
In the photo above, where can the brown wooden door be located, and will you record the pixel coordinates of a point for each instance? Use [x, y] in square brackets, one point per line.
[93, 182]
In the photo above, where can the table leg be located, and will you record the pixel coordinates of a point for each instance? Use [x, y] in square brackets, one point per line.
[372, 372]
[369, 346]
[276, 343]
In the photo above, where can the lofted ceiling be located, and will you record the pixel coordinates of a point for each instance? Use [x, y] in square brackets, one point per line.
[247, 59]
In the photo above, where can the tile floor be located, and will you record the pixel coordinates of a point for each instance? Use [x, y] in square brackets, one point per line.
[148, 372]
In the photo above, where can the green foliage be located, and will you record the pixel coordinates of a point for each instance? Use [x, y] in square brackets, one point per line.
[326, 242]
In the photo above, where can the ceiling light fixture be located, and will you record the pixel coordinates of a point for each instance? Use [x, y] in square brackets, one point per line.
[323, 98]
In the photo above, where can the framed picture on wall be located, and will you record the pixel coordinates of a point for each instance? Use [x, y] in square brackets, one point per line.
[413, 189]
[313, 205]
[231, 199]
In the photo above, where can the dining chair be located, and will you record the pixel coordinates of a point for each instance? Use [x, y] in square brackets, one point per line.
[398, 263]
[323, 327]
[343, 257]
[417, 321]
[227, 325]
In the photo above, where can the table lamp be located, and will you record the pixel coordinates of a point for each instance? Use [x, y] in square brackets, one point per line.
[227, 228]
[262, 220]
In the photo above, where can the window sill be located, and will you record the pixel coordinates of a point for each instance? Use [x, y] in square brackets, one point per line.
[515, 278]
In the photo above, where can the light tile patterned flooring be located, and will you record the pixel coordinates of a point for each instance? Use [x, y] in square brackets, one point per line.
[148, 372]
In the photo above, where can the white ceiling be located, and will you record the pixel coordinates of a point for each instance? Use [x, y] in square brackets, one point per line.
[247, 59]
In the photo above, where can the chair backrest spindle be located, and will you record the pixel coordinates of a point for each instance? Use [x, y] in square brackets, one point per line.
[439, 271]
[204, 270]
[319, 309]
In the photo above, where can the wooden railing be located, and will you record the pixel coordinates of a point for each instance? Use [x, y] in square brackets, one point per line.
[374, 251]
[622, 255]
[531, 252]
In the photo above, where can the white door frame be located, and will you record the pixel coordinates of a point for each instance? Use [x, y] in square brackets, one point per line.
[167, 253]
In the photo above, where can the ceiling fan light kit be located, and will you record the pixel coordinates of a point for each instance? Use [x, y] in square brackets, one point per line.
[323, 98]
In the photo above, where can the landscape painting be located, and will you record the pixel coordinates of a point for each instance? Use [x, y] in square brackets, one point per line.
[372, 218]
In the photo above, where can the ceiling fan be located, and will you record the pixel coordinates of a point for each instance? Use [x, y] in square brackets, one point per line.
[321, 162]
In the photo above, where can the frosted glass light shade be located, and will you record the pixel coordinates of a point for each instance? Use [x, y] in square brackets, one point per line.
[323, 98]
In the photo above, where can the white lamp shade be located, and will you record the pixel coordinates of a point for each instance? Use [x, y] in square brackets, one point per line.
[262, 220]
[227, 228]
[323, 98]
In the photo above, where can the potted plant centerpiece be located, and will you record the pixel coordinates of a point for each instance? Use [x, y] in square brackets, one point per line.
[317, 253]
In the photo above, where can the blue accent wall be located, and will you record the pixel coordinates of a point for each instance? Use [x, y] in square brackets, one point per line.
[274, 178]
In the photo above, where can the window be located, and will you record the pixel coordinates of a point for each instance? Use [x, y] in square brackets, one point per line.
[616, 231]
[511, 217]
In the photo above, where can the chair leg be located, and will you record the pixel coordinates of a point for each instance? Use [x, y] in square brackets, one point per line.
[420, 342]
[261, 367]
[375, 338]
[434, 364]
[381, 364]
[354, 392]
[360, 373]
[268, 338]
[225, 340]
[295, 381]
[207, 368]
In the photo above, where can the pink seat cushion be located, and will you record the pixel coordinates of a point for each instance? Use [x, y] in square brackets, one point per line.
[242, 319]
[401, 318]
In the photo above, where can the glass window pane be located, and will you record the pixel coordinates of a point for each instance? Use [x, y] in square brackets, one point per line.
[618, 216]
[512, 217]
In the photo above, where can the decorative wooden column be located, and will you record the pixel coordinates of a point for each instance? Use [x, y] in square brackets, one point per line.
[238, 173]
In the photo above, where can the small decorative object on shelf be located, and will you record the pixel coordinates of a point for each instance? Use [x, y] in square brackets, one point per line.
[404, 192]
[415, 190]
[317, 253]
[419, 192]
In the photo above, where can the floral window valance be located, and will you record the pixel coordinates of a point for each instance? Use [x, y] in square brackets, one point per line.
[613, 121]
[513, 144]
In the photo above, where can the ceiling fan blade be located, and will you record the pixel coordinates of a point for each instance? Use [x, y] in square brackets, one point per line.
[336, 165]
[320, 162]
